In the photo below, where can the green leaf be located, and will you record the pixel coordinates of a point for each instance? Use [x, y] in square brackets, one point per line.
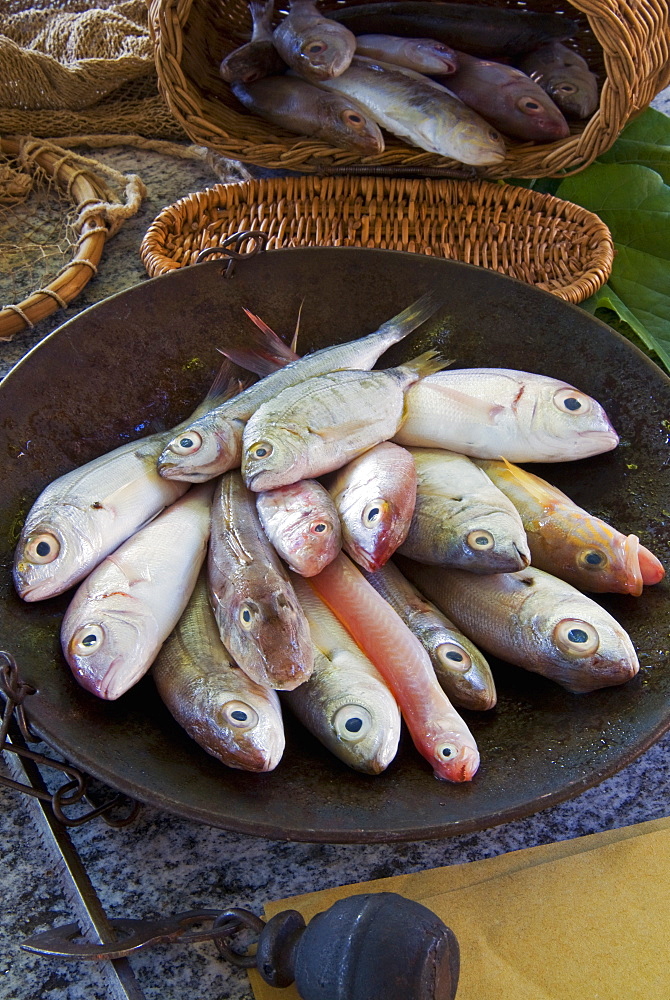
[646, 141]
[634, 203]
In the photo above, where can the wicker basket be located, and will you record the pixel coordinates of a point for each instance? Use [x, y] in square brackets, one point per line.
[537, 238]
[626, 43]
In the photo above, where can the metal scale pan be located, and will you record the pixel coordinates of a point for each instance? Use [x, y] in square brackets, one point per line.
[139, 361]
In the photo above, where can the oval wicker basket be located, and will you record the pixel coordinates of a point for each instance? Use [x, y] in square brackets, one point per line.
[626, 43]
[534, 237]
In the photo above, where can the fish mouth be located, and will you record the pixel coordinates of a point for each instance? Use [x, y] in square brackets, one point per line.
[462, 768]
[633, 582]
[651, 568]
[109, 688]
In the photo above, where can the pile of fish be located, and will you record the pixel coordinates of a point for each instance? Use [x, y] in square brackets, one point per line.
[446, 77]
[272, 572]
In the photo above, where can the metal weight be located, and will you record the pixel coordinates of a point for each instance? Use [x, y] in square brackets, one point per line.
[365, 947]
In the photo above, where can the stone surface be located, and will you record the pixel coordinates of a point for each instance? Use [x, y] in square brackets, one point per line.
[163, 864]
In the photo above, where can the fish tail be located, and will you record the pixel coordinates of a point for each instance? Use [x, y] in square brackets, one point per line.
[412, 317]
[427, 363]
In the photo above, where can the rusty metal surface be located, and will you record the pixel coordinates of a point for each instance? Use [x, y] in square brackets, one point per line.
[138, 362]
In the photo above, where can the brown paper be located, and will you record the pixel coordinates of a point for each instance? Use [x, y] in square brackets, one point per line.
[585, 919]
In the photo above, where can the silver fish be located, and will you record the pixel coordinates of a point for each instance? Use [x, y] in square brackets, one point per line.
[423, 55]
[258, 57]
[259, 618]
[535, 621]
[504, 413]
[230, 716]
[459, 666]
[326, 421]
[565, 76]
[311, 44]
[375, 496]
[302, 523]
[345, 703]
[123, 612]
[462, 519]
[213, 444]
[420, 110]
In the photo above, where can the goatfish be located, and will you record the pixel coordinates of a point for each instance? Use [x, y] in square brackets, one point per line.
[302, 523]
[124, 611]
[535, 621]
[230, 716]
[314, 46]
[508, 99]
[483, 31]
[82, 516]
[260, 620]
[423, 55]
[258, 57]
[437, 730]
[374, 496]
[326, 421]
[345, 703]
[419, 110]
[500, 412]
[460, 667]
[462, 519]
[569, 542]
[565, 76]
[300, 107]
[213, 445]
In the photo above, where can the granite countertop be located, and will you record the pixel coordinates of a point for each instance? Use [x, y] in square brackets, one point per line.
[162, 864]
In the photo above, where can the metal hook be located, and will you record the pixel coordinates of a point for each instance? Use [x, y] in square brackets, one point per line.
[230, 247]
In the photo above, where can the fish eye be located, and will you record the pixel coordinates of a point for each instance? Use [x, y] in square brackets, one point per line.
[87, 640]
[187, 444]
[246, 616]
[480, 541]
[529, 105]
[41, 548]
[454, 657]
[352, 723]
[576, 637]
[374, 512]
[320, 528]
[566, 88]
[592, 559]
[314, 48]
[446, 751]
[572, 401]
[493, 135]
[239, 715]
[353, 118]
[262, 449]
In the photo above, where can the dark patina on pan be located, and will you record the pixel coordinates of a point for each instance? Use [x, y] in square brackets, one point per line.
[139, 361]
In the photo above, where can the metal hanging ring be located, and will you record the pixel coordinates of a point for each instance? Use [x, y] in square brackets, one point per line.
[231, 921]
[230, 247]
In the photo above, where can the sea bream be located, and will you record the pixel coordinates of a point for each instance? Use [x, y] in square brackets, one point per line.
[230, 716]
[535, 621]
[326, 421]
[345, 703]
[565, 76]
[258, 57]
[124, 611]
[213, 445]
[302, 523]
[257, 612]
[314, 46]
[505, 413]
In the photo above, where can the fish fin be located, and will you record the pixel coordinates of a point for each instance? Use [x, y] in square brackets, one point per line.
[413, 316]
[266, 353]
[294, 341]
[428, 363]
[261, 14]
[538, 488]
[488, 412]
[224, 386]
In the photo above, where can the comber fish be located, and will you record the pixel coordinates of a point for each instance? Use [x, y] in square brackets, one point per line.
[459, 666]
[569, 542]
[438, 731]
[214, 444]
[302, 523]
[423, 55]
[345, 703]
[462, 519]
[535, 621]
[123, 612]
[508, 99]
[326, 421]
[419, 110]
[314, 46]
[260, 620]
[258, 57]
[503, 413]
[230, 716]
[565, 76]
[300, 107]
[375, 496]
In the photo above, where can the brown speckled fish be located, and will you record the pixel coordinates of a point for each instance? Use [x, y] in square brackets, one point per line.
[259, 618]
[258, 57]
[565, 76]
[312, 45]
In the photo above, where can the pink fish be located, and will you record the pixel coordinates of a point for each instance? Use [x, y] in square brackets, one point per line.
[302, 523]
[439, 733]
